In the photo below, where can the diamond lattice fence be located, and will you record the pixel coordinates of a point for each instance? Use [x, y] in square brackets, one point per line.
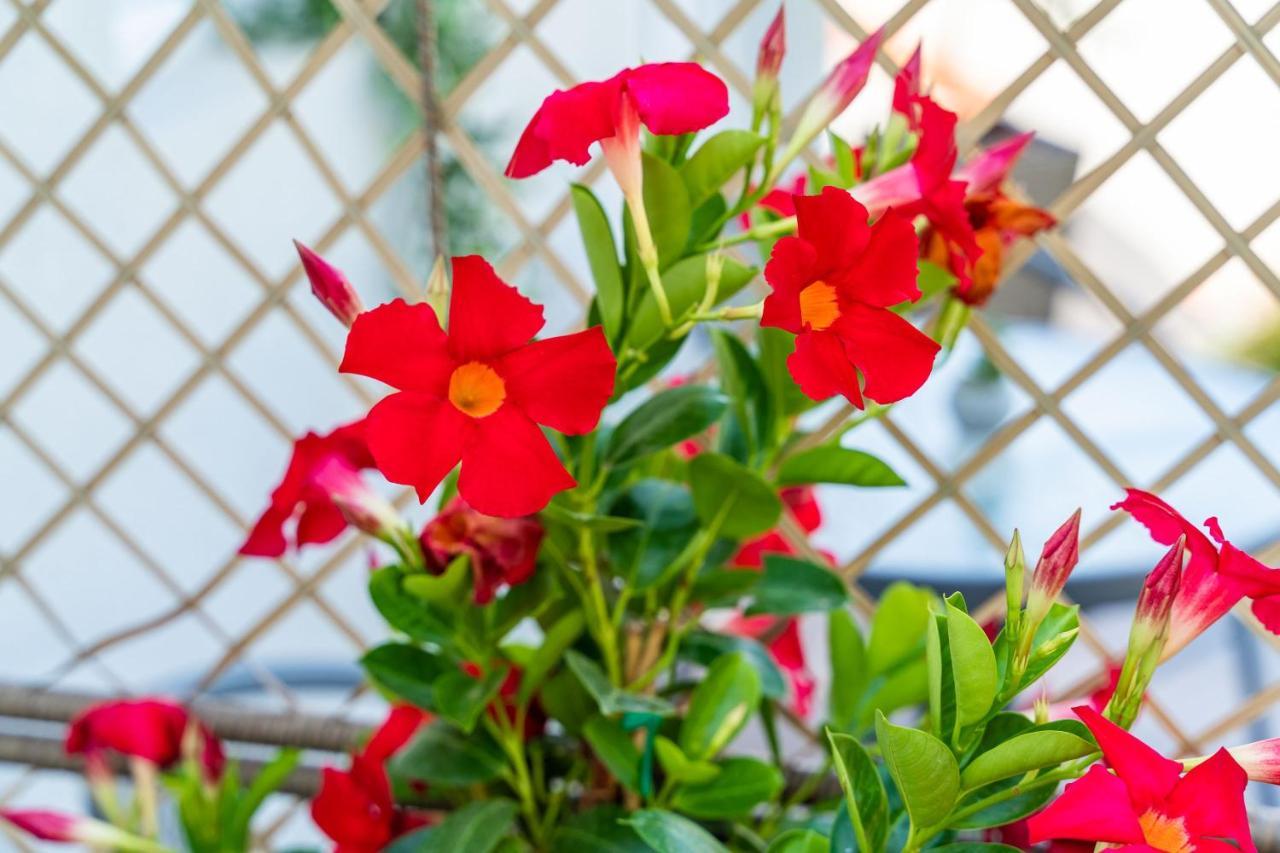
[157, 352]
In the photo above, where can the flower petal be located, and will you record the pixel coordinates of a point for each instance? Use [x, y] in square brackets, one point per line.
[885, 274]
[1268, 612]
[677, 97]
[1095, 807]
[564, 127]
[562, 382]
[987, 169]
[1211, 798]
[894, 356]
[417, 439]
[509, 468]
[790, 268]
[320, 522]
[400, 725]
[822, 369]
[1147, 774]
[266, 539]
[487, 316]
[835, 224]
[399, 344]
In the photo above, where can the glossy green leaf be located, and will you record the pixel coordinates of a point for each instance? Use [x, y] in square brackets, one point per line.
[667, 832]
[743, 383]
[942, 682]
[923, 768]
[558, 638]
[443, 590]
[666, 201]
[599, 830]
[477, 827]
[834, 464]
[933, 280]
[1038, 747]
[667, 523]
[1005, 811]
[791, 586]
[679, 767]
[799, 841]
[741, 785]
[613, 700]
[724, 587]
[720, 706]
[602, 258]
[565, 699]
[461, 699]
[716, 161]
[405, 670]
[705, 647]
[613, 746]
[845, 159]
[443, 755]
[865, 798]
[974, 847]
[906, 684]
[685, 284]
[897, 629]
[848, 655]
[665, 419]
[973, 665]
[727, 493]
[405, 613]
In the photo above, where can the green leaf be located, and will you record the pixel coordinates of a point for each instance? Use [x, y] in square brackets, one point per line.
[613, 746]
[974, 847]
[730, 494]
[719, 706]
[835, 464]
[741, 380]
[723, 587]
[942, 682]
[559, 637]
[667, 523]
[846, 167]
[445, 590]
[602, 257]
[440, 754]
[269, 778]
[461, 699]
[799, 841]
[897, 629]
[1006, 811]
[907, 684]
[685, 283]
[565, 699]
[1062, 619]
[405, 613]
[476, 828]
[790, 585]
[666, 832]
[663, 420]
[923, 768]
[677, 765]
[405, 670]
[612, 700]
[933, 280]
[666, 201]
[741, 785]
[865, 798]
[716, 161]
[973, 665]
[600, 830]
[848, 655]
[1041, 746]
[706, 647]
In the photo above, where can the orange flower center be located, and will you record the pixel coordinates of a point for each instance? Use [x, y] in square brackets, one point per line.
[818, 306]
[1165, 833]
[476, 389]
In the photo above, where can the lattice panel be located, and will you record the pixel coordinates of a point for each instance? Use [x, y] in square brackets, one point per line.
[142, 394]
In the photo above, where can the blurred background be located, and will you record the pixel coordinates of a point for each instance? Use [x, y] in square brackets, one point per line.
[159, 348]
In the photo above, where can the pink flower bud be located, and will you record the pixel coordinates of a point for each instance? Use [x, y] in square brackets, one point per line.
[73, 829]
[1059, 557]
[773, 47]
[359, 504]
[987, 169]
[330, 286]
[1260, 759]
[1159, 590]
[838, 91]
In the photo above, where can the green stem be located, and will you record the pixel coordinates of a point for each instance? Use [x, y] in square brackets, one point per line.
[739, 312]
[777, 228]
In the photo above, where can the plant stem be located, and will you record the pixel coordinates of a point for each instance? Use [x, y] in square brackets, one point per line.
[778, 228]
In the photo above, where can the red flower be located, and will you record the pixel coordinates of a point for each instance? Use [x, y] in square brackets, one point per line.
[478, 394]
[908, 85]
[1147, 805]
[299, 498]
[668, 98]
[1260, 582]
[355, 808]
[150, 729]
[330, 286]
[833, 285]
[502, 551]
[1206, 592]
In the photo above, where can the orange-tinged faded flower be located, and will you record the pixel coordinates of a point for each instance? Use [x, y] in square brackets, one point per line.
[1145, 803]
[502, 551]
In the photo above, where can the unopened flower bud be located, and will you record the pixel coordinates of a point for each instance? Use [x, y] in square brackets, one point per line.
[73, 829]
[438, 290]
[1260, 759]
[1059, 557]
[1148, 635]
[768, 63]
[359, 504]
[1015, 571]
[330, 286]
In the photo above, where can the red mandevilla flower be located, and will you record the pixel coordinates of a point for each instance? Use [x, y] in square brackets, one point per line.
[150, 729]
[478, 393]
[833, 285]
[1147, 802]
[355, 808]
[502, 551]
[301, 499]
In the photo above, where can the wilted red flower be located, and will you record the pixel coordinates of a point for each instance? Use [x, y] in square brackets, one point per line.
[299, 498]
[1206, 592]
[150, 729]
[355, 808]
[502, 551]
[330, 286]
[1148, 802]
[833, 285]
[668, 98]
[478, 393]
